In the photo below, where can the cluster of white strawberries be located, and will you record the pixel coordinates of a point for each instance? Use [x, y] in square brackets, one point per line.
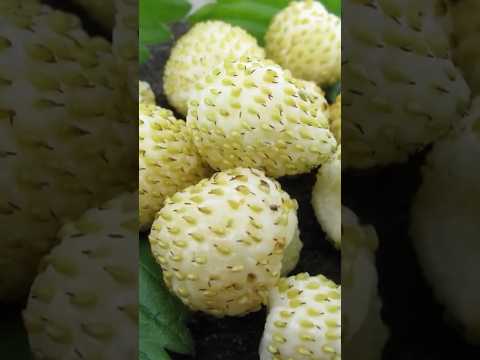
[220, 226]
[227, 243]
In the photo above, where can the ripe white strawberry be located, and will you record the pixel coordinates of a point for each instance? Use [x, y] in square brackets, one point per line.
[205, 46]
[223, 243]
[252, 113]
[168, 160]
[66, 151]
[304, 320]
[364, 334]
[102, 11]
[404, 91]
[326, 197]
[445, 225]
[336, 118]
[466, 38]
[83, 304]
[306, 39]
[145, 93]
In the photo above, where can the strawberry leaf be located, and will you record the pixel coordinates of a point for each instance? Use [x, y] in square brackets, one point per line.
[155, 15]
[162, 316]
[151, 36]
[334, 6]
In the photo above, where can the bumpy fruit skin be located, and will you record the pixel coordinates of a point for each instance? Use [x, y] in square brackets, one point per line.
[312, 91]
[102, 11]
[168, 161]
[466, 52]
[222, 243]
[304, 320]
[336, 118]
[404, 91]
[326, 197]
[64, 149]
[364, 334]
[251, 113]
[83, 304]
[145, 93]
[445, 225]
[205, 46]
[306, 39]
[125, 42]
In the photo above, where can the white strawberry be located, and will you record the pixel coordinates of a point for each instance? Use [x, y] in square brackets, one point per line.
[168, 160]
[145, 93]
[304, 320]
[252, 113]
[312, 91]
[205, 46]
[83, 304]
[306, 39]
[336, 118]
[326, 197]
[223, 243]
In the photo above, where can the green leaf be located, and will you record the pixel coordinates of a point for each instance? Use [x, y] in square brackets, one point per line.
[151, 36]
[243, 10]
[162, 316]
[163, 11]
[275, 3]
[155, 35]
[334, 6]
[143, 53]
[155, 15]
[14, 344]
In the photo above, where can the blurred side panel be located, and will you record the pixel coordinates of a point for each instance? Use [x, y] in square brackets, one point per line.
[68, 180]
[410, 139]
